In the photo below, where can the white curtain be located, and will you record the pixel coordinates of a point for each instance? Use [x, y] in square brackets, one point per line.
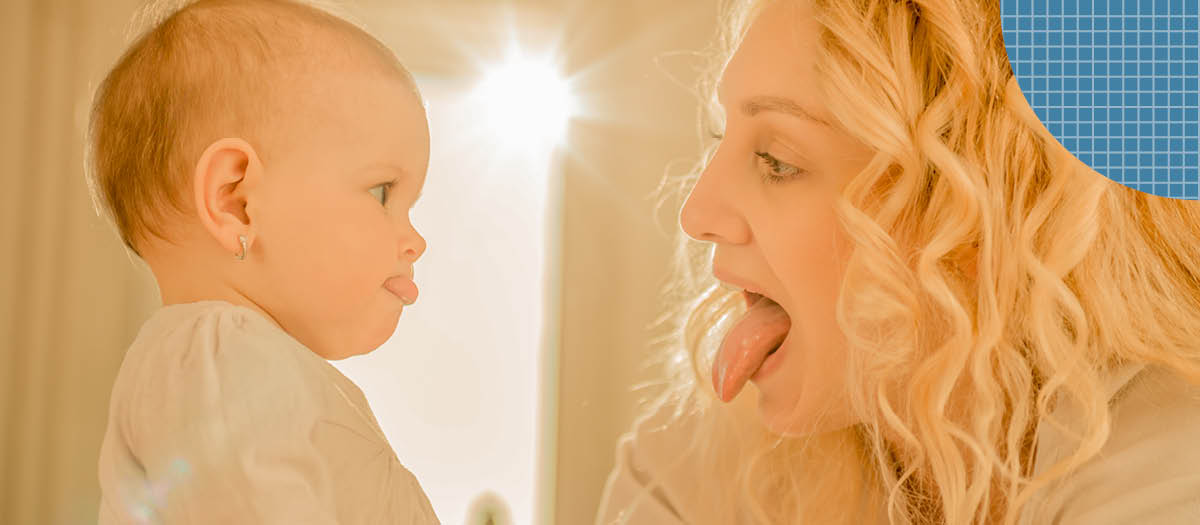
[70, 299]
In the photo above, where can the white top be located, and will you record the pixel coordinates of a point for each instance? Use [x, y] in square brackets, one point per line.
[219, 416]
[1147, 473]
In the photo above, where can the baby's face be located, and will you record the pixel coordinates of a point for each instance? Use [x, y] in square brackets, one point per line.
[332, 219]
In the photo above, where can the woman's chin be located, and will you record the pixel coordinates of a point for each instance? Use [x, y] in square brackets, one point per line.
[788, 421]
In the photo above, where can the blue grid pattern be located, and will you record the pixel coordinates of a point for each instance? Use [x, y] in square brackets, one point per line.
[1117, 82]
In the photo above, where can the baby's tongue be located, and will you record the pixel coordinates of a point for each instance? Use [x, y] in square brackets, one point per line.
[746, 346]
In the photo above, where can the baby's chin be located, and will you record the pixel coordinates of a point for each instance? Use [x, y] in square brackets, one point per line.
[371, 339]
[377, 337]
[371, 330]
[348, 351]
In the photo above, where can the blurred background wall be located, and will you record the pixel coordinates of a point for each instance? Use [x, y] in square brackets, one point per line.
[71, 300]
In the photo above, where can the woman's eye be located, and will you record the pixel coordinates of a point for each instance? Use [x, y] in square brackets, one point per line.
[775, 170]
[380, 192]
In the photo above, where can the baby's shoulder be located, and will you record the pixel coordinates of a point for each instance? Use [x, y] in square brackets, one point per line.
[223, 338]
[215, 354]
[211, 382]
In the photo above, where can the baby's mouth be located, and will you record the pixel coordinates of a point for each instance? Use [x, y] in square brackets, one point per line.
[402, 287]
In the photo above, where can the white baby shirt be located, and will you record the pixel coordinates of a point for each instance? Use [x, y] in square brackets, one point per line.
[219, 416]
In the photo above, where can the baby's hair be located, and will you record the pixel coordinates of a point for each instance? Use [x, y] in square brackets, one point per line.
[198, 71]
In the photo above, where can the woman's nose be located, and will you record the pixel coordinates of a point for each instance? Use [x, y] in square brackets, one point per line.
[709, 214]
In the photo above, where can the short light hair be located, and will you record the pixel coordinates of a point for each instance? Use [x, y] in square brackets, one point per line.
[202, 70]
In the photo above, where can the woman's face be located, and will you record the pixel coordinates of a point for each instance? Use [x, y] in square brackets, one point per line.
[766, 203]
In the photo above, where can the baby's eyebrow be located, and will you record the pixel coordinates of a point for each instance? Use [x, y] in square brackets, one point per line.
[384, 166]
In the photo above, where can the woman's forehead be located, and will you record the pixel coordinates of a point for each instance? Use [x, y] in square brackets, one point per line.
[776, 58]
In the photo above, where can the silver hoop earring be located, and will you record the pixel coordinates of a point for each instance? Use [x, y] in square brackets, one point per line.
[241, 256]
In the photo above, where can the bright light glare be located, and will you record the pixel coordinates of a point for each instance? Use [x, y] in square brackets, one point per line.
[526, 103]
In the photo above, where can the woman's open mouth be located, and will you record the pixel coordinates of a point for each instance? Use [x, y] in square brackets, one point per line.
[751, 299]
[753, 338]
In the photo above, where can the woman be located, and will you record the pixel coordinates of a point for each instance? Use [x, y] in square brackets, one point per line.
[946, 318]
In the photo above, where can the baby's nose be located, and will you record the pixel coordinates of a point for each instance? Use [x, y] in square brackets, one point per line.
[413, 246]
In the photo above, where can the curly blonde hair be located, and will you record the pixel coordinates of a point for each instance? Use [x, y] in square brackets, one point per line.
[993, 278]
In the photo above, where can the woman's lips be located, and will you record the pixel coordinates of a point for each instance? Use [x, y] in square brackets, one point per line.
[402, 287]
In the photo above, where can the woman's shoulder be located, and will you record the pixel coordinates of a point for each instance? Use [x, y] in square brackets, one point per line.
[643, 486]
[1148, 470]
[662, 474]
[1156, 405]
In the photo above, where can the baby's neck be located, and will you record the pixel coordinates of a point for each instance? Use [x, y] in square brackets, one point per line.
[185, 276]
[176, 295]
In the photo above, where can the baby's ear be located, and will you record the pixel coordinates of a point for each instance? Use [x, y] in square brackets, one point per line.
[219, 187]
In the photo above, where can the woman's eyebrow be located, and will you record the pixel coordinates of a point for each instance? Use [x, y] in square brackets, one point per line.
[759, 104]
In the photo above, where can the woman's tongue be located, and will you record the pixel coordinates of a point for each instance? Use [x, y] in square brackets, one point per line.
[760, 330]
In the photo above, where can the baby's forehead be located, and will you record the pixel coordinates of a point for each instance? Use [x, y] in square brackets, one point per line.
[255, 61]
[283, 37]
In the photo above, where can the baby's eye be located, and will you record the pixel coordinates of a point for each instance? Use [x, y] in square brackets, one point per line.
[380, 192]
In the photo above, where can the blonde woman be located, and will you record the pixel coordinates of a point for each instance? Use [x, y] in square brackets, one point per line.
[945, 317]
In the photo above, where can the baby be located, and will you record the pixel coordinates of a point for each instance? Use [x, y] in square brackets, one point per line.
[262, 157]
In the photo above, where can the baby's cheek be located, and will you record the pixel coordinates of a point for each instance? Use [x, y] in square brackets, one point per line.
[324, 246]
[372, 255]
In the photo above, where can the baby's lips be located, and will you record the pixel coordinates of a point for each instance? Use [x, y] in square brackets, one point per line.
[402, 287]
